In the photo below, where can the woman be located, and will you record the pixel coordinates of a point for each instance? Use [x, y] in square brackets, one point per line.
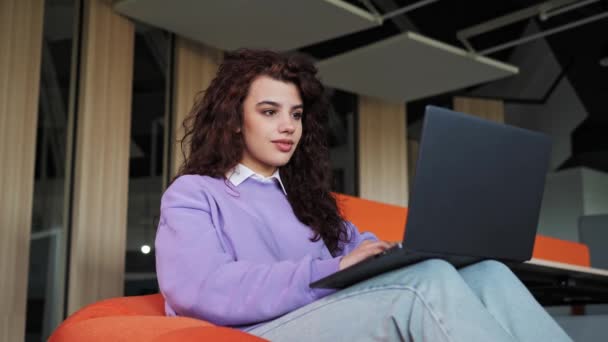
[249, 222]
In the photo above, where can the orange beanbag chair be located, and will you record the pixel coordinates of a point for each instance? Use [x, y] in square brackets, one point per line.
[139, 318]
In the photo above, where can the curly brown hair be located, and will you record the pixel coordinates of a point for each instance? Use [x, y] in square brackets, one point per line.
[216, 147]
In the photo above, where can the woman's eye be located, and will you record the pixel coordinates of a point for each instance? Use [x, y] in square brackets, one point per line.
[297, 116]
[269, 112]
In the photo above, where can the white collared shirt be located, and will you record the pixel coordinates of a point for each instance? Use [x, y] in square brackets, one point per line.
[241, 172]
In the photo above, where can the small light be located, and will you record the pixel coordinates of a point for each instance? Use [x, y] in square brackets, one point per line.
[145, 249]
[604, 61]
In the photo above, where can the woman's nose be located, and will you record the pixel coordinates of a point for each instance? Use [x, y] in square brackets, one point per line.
[287, 124]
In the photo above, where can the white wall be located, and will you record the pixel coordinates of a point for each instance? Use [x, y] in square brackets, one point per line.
[595, 195]
[562, 205]
[570, 194]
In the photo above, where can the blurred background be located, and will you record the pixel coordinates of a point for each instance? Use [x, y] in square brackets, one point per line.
[108, 84]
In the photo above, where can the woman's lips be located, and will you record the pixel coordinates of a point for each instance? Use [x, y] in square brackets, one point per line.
[283, 146]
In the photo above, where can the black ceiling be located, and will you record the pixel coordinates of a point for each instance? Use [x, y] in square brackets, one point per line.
[580, 49]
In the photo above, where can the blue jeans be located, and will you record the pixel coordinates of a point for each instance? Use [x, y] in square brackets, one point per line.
[428, 301]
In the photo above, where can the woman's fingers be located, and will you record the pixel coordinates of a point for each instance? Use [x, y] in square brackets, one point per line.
[381, 244]
[366, 249]
[374, 248]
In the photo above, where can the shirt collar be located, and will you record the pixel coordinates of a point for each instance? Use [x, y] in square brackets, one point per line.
[241, 172]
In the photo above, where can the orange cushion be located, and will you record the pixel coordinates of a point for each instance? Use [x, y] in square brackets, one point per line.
[123, 328]
[388, 223]
[568, 252]
[138, 318]
[199, 334]
[149, 305]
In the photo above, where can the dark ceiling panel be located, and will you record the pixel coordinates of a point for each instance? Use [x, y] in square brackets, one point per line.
[583, 47]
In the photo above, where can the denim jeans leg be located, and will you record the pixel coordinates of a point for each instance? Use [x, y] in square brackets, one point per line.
[510, 302]
[372, 314]
[428, 301]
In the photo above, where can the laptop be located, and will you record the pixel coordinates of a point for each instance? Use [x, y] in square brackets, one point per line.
[476, 195]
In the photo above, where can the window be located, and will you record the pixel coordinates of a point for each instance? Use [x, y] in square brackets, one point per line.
[147, 157]
[342, 127]
[48, 245]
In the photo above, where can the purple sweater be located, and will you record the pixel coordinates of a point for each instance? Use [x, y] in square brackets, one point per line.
[237, 256]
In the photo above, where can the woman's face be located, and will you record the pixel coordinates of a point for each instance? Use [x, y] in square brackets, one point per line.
[272, 124]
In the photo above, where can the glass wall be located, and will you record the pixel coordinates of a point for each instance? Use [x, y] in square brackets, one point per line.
[147, 157]
[342, 141]
[48, 246]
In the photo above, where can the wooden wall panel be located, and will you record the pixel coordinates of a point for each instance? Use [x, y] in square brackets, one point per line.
[99, 215]
[383, 174]
[195, 67]
[21, 24]
[488, 109]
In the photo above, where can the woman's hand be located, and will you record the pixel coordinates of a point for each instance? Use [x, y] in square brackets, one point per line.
[365, 250]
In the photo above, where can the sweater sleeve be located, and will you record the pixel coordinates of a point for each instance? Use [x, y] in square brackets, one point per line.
[200, 279]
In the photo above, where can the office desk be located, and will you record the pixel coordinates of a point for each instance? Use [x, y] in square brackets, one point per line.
[556, 283]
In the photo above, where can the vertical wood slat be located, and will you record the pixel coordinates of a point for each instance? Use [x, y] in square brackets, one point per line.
[488, 109]
[99, 215]
[21, 25]
[195, 68]
[383, 173]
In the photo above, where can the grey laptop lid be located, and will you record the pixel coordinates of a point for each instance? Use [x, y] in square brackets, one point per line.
[478, 187]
